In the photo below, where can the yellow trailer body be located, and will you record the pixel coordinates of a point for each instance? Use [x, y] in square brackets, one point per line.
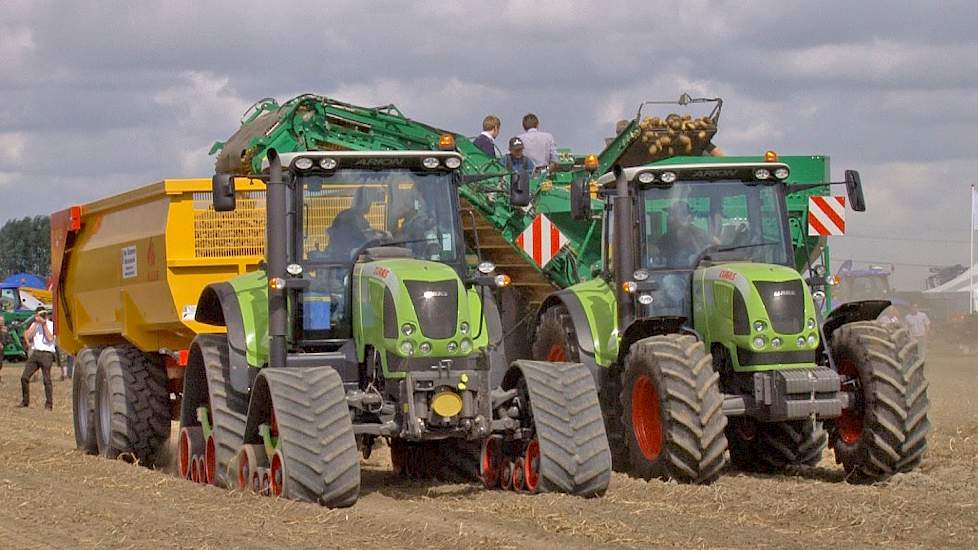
[130, 268]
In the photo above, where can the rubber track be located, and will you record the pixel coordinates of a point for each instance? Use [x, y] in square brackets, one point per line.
[557, 327]
[316, 435]
[574, 453]
[229, 426]
[781, 444]
[140, 403]
[86, 363]
[694, 446]
[895, 429]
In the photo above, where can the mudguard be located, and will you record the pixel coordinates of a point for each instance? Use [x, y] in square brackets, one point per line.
[866, 310]
[218, 306]
[582, 329]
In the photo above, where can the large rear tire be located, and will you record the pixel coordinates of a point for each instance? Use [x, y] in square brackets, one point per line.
[556, 340]
[132, 405]
[673, 410]
[83, 399]
[561, 404]
[885, 432]
[774, 446]
[316, 445]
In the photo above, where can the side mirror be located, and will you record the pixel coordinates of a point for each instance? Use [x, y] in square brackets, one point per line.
[854, 188]
[222, 188]
[580, 198]
[519, 188]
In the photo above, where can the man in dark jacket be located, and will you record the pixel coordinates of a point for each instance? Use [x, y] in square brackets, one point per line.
[487, 139]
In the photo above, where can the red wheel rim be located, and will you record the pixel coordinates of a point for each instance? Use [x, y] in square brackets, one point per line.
[506, 475]
[244, 470]
[850, 424]
[518, 477]
[210, 460]
[184, 461]
[557, 354]
[274, 425]
[277, 475]
[646, 421]
[264, 483]
[531, 466]
[489, 465]
[256, 481]
[194, 470]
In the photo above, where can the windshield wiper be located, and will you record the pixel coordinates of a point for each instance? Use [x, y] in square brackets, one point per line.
[717, 248]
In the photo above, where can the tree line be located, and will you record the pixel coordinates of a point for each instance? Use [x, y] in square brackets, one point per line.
[25, 246]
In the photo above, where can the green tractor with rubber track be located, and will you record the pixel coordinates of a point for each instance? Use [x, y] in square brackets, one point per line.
[367, 323]
[708, 346]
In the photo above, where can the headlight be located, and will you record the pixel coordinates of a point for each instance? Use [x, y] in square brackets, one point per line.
[294, 269]
[668, 177]
[812, 340]
[452, 347]
[303, 164]
[407, 329]
[640, 275]
[466, 345]
[759, 326]
[775, 342]
[464, 328]
[781, 173]
[425, 347]
[327, 163]
[453, 162]
[801, 341]
[645, 299]
[407, 347]
[629, 287]
[486, 268]
[759, 342]
[430, 162]
[646, 177]
[811, 324]
[762, 174]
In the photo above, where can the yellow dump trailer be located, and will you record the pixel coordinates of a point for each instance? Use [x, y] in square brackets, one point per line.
[128, 269]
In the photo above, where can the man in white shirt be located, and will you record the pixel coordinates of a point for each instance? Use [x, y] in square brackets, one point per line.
[40, 338]
[538, 146]
[919, 324]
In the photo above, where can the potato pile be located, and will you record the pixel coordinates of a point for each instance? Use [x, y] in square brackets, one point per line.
[676, 134]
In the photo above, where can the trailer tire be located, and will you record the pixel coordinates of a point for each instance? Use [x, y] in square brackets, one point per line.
[132, 405]
[774, 446]
[556, 340]
[316, 441]
[885, 433]
[673, 410]
[83, 400]
[561, 406]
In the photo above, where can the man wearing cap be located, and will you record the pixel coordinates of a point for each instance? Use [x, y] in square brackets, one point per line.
[40, 338]
[487, 139]
[540, 146]
[515, 160]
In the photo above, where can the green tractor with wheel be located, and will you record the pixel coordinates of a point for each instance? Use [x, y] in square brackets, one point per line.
[703, 338]
[366, 322]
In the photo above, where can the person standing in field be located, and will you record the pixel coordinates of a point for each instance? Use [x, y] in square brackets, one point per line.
[486, 141]
[919, 324]
[3, 339]
[40, 339]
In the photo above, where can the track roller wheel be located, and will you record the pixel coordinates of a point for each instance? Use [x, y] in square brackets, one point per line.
[506, 475]
[264, 482]
[491, 461]
[518, 477]
[210, 461]
[250, 459]
[531, 466]
[190, 446]
[276, 475]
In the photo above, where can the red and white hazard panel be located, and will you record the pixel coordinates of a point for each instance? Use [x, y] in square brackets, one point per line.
[541, 240]
[826, 216]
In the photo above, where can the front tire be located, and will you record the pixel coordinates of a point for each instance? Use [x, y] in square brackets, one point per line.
[774, 446]
[673, 410]
[885, 432]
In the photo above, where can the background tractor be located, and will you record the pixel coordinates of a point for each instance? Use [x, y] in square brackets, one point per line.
[703, 336]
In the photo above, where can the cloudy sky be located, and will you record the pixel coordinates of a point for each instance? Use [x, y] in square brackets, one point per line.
[98, 97]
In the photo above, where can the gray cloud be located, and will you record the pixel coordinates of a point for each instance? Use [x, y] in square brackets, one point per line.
[98, 97]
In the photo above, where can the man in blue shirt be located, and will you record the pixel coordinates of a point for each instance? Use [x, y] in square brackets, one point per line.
[515, 160]
[487, 139]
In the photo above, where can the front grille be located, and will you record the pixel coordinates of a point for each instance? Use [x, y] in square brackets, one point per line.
[436, 304]
[785, 305]
[396, 363]
[751, 358]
